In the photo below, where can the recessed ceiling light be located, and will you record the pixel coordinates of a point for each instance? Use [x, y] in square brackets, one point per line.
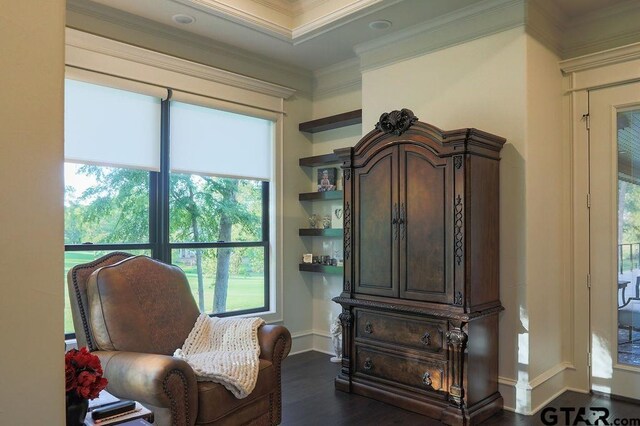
[381, 24]
[183, 19]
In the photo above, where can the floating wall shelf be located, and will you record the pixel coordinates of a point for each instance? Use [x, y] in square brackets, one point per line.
[326, 195]
[333, 122]
[326, 269]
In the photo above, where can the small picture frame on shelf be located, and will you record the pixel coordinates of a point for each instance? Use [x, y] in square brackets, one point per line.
[307, 258]
[327, 179]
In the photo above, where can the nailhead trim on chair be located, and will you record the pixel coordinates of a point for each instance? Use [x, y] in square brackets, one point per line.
[281, 345]
[83, 314]
[174, 408]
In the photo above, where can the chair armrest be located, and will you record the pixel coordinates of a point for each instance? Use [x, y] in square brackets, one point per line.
[275, 343]
[157, 380]
[629, 300]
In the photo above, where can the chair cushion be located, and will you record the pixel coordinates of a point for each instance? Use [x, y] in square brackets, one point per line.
[140, 305]
[629, 316]
[215, 401]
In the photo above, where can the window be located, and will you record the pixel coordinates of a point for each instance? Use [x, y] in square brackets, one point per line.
[196, 196]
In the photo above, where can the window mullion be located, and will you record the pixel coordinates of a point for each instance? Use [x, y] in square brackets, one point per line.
[163, 251]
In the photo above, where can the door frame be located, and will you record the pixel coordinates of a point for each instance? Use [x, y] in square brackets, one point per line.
[608, 68]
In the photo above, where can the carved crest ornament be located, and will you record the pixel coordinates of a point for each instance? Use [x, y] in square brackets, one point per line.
[396, 122]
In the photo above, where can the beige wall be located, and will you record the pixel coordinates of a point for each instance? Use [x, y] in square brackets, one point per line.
[510, 85]
[546, 208]
[31, 236]
[325, 287]
[298, 289]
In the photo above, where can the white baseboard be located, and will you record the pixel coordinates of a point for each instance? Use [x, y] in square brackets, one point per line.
[311, 340]
[531, 396]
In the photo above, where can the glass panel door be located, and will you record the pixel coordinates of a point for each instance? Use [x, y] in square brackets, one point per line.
[614, 152]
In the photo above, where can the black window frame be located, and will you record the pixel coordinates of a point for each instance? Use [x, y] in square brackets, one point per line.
[159, 243]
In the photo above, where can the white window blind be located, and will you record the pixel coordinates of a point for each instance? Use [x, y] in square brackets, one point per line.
[219, 143]
[111, 127]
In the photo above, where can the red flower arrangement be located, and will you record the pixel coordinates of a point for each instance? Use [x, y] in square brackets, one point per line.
[83, 374]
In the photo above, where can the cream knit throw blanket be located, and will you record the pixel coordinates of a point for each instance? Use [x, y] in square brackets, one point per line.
[225, 351]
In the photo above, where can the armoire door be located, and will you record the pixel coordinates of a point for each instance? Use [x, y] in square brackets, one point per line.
[376, 212]
[426, 219]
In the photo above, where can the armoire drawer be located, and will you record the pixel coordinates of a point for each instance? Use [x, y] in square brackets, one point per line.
[426, 375]
[412, 332]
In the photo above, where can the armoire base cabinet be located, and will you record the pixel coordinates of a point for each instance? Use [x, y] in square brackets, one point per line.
[420, 302]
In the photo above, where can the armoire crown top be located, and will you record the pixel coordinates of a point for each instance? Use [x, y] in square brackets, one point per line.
[396, 122]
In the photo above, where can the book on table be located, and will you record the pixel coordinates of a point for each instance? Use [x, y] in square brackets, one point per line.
[110, 411]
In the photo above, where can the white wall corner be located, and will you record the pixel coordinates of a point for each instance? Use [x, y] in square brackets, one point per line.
[322, 342]
[301, 341]
[311, 340]
[340, 77]
[478, 20]
[529, 397]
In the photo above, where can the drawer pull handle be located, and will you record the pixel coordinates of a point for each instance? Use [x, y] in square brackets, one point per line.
[426, 339]
[426, 379]
[368, 328]
[368, 365]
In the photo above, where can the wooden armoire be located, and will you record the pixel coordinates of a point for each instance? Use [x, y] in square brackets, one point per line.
[421, 300]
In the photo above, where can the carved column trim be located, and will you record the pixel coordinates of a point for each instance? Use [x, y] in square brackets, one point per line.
[347, 230]
[346, 319]
[457, 341]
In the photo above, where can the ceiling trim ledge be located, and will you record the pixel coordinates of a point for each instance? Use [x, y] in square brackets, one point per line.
[603, 29]
[479, 20]
[221, 10]
[597, 60]
[545, 22]
[338, 18]
[180, 43]
[341, 77]
[101, 45]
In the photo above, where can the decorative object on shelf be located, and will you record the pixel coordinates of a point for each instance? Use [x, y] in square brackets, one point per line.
[314, 221]
[339, 182]
[83, 381]
[336, 216]
[336, 340]
[326, 221]
[307, 258]
[327, 179]
[396, 122]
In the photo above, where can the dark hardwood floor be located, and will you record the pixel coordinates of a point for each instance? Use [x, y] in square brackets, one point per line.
[309, 399]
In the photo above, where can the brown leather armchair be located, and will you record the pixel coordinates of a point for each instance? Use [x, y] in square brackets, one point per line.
[133, 312]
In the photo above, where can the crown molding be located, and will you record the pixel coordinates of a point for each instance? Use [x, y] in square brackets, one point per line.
[221, 53]
[545, 21]
[341, 77]
[286, 29]
[602, 30]
[243, 17]
[337, 18]
[596, 60]
[478, 20]
[116, 49]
